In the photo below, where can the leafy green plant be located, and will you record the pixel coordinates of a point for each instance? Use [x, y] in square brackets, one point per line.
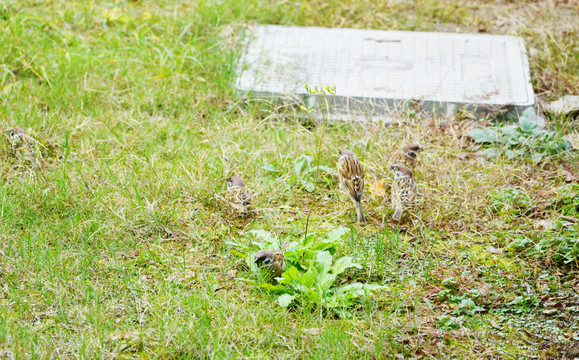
[566, 199]
[525, 140]
[303, 171]
[311, 272]
[560, 246]
[316, 286]
[462, 304]
[520, 304]
[449, 322]
[511, 201]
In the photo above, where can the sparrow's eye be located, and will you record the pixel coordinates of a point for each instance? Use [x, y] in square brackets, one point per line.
[267, 261]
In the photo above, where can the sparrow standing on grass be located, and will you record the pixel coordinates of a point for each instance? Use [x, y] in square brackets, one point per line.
[24, 145]
[272, 261]
[238, 195]
[404, 191]
[351, 174]
[407, 155]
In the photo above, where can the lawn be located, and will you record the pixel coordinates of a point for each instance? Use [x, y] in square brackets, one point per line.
[120, 245]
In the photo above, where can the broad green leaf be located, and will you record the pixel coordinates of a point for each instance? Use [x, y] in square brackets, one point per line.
[342, 264]
[324, 258]
[527, 124]
[511, 130]
[326, 280]
[308, 186]
[285, 300]
[510, 135]
[310, 238]
[309, 278]
[296, 280]
[492, 152]
[484, 136]
[301, 255]
[536, 157]
[299, 164]
[335, 235]
[510, 154]
[528, 120]
[269, 167]
[302, 163]
[323, 245]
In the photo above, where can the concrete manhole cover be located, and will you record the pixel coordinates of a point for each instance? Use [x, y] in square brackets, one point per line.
[376, 72]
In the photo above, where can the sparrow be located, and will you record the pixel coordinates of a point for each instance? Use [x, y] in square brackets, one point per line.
[404, 192]
[24, 145]
[407, 155]
[272, 261]
[238, 195]
[351, 174]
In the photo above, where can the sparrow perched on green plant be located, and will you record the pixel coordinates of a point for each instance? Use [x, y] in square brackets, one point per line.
[271, 261]
[351, 175]
[407, 155]
[24, 145]
[238, 195]
[403, 191]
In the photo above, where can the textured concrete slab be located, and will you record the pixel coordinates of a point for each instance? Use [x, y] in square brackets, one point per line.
[377, 72]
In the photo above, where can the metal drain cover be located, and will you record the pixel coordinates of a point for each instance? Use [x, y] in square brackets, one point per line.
[376, 72]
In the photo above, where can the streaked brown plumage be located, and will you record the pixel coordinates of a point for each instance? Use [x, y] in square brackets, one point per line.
[272, 261]
[24, 146]
[404, 191]
[406, 156]
[351, 174]
[238, 195]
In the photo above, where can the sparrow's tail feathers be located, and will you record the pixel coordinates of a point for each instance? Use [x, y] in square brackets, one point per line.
[397, 214]
[360, 213]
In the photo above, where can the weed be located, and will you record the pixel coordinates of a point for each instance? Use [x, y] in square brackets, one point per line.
[511, 201]
[525, 140]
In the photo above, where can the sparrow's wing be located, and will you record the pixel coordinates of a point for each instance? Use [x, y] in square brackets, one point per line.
[397, 198]
[395, 192]
[245, 196]
[415, 190]
[408, 191]
[232, 195]
[353, 174]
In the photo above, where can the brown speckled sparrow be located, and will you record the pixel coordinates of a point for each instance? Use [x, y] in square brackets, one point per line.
[407, 155]
[238, 195]
[272, 261]
[351, 174]
[404, 191]
[24, 145]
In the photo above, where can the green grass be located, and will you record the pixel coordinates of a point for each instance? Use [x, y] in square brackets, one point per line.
[118, 246]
